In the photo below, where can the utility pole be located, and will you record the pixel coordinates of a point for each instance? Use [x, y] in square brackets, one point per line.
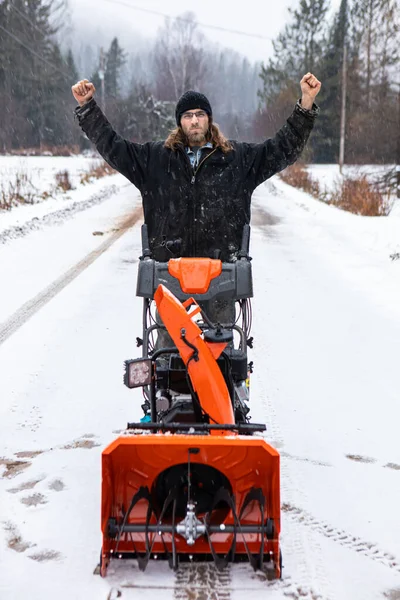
[398, 145]
[102, 71]
[343, 109]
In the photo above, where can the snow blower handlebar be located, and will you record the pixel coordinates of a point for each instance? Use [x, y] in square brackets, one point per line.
[146, 252]
[244, 249]
[242, 254]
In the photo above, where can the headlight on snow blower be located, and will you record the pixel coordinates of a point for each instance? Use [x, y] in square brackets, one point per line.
[138, 372]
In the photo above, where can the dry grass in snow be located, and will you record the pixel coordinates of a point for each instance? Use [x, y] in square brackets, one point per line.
[355, 195]
[361, 197]
[298, 176]
[19, 187]
[98, 169]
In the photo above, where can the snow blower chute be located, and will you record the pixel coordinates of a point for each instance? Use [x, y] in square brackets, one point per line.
[194, 479]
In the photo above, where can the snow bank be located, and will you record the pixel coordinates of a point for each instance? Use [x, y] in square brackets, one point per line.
[40, 171]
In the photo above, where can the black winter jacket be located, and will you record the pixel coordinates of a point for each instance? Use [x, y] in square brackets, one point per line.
[201, 212]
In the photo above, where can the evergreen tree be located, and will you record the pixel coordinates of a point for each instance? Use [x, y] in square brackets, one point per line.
[141, 117]
[58, 106]
[115, 59]
[297, 50]
[33, 77]
[326, 135]
[53, 101]
[373, 103]
[35, 31]
[71, 66]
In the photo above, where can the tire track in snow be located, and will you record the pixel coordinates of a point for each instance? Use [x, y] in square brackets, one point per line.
[368, 549]
[202, 581]
[310, 581]
[192, 581]
[27, 310]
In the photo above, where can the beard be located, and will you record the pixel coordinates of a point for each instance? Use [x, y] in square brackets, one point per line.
[196, 137]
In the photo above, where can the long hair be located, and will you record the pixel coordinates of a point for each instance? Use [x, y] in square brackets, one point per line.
[214, 135]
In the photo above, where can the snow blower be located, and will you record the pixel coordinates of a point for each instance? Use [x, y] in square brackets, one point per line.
[194, 479]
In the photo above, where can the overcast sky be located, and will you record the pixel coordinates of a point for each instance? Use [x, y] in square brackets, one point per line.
[264, 18]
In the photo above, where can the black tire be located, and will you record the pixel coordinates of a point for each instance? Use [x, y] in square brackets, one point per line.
[270, 529]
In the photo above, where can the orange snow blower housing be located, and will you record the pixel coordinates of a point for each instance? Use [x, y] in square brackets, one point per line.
[194, 479]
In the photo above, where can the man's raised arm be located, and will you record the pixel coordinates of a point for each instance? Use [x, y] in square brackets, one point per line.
[129, 158]
[276, 153]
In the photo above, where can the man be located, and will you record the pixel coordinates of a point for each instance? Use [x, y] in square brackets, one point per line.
[196, 186]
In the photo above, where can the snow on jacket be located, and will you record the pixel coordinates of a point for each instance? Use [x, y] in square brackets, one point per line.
[197, 212]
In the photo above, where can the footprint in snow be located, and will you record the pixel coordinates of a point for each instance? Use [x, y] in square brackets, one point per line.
[361, 459]
[393, 594]
[29, 453]
[81, 443]
[12, 468]
[317, 463]
[368, 460]
[45, 555]
[393, 466]
[34, 500]
[57, 485]
[26, 485]
[14, 538]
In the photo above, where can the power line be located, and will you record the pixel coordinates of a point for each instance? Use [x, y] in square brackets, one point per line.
[206, 25]
[133, 7]
[21, 14]
[34, 53]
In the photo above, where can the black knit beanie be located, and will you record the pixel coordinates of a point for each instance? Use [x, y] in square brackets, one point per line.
[189, 101]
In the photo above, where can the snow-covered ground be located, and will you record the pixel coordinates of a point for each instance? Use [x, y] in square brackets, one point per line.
[35, 179]
[330, 179]
[41, 170]
[328, 174]
[326, 382]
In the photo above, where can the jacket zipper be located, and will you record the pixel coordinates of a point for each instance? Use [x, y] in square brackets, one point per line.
[196, 171]
[194, 205]
[186, 159]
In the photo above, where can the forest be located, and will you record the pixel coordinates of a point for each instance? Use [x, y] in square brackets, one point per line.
[358, 47]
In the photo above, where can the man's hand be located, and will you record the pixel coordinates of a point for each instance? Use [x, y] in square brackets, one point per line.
[83, 91]
[310, 87]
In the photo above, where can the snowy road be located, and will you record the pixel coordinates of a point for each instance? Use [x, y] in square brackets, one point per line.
[326, 381]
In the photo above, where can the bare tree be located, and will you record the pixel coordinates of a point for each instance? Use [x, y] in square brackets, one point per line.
[179, 58]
